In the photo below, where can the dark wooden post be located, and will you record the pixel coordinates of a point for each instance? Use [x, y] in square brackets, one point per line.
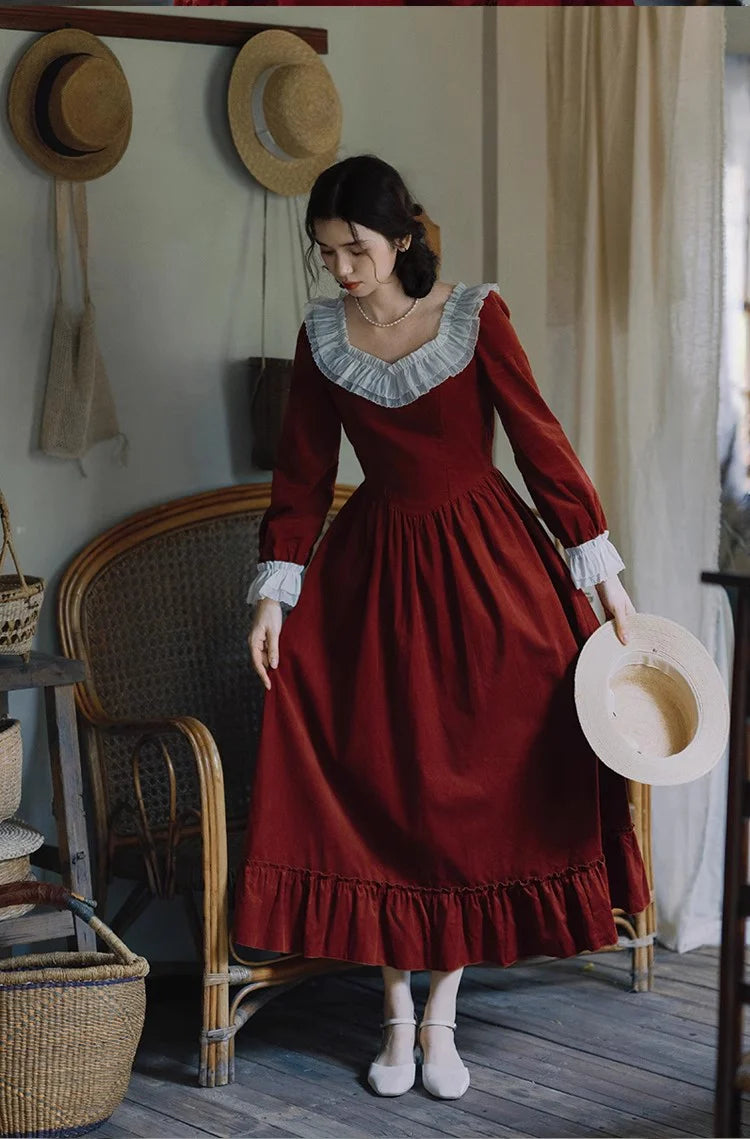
[56, 676]
[732, 990]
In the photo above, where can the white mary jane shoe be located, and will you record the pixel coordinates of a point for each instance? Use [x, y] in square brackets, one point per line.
[445, 1081]
[393, 1079]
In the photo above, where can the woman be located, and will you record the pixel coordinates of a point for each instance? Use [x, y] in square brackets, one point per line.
[424, 797]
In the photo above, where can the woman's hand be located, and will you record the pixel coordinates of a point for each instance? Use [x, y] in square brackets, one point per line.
[616, 603]
[263, 637]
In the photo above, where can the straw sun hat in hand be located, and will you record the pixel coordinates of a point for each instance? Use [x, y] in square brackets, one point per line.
[655, 710]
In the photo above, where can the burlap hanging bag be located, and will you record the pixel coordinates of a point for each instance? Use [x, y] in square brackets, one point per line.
[78, 406]
[20, 598]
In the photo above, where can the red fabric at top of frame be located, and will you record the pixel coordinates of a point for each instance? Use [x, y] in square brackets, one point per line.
[413, 3]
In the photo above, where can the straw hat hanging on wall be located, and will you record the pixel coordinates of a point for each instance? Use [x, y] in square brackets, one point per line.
[70, 110]
[284, 111]
[69, 105]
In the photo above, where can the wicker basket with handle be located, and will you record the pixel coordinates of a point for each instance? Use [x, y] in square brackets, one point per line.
[69, 1025]
[20, 598]
[11, 767]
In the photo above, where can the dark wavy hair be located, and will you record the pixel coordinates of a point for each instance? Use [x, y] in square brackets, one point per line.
[364, 189]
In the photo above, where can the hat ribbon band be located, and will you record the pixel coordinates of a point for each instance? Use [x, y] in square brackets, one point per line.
[259, 117]
[41, 109]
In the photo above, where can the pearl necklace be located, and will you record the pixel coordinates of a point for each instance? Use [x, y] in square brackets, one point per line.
[385, 323]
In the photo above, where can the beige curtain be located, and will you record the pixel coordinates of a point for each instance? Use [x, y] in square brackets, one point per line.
[634, 331]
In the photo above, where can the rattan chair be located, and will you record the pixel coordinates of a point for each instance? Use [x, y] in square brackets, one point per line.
[170, 712]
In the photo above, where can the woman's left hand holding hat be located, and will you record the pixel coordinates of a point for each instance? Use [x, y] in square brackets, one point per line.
[616, 604]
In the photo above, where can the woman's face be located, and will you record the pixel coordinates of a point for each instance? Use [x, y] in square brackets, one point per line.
[361, 261]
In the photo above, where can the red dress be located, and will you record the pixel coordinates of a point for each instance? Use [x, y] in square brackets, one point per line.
[424, 796]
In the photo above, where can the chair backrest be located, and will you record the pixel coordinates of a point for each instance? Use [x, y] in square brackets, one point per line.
[156, 609]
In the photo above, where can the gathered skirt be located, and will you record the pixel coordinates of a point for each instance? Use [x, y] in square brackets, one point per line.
[424, 796]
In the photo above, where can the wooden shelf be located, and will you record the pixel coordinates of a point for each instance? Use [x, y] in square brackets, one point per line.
[56, 676]
[42, 671]
[37, 925]
[149, 25]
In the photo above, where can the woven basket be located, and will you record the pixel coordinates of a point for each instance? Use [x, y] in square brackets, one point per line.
[69, 1024]
[20, 598]
[11, 767]
[15, 870]
[18, 841]
[17, 838]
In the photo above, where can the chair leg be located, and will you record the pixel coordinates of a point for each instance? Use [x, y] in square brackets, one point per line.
[194, 919]
[216, 1052]
[641, 980]
[650, 915]
[642, 960]
[217, 1046]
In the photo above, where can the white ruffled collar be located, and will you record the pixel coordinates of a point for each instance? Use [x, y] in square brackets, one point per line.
[406, 379]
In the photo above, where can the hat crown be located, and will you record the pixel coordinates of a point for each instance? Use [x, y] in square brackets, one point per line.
[654, 706]
[656, 710]
[69, 105]
[302, 109]
[89, 103]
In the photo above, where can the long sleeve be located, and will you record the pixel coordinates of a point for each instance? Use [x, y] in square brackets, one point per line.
[302, 484]
[557, 482]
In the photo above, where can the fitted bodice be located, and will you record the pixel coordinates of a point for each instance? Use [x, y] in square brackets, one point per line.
[425, 452]
[422, 426]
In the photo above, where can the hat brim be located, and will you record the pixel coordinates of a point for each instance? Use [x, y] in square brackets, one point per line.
[18, 839]
[295, 176]
[22, 94]
[654, 639]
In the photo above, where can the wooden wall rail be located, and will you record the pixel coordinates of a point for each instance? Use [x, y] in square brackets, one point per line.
[148, 25]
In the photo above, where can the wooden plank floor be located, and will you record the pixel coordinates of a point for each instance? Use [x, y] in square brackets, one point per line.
[555, 1048]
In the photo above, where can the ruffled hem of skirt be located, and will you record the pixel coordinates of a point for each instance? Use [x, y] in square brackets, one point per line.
[296, 910]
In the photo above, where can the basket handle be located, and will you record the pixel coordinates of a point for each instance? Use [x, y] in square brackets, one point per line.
[8, 542]
[50, 894]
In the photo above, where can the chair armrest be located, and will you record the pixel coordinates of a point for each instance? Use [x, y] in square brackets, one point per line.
[202, 743]
[211, 785]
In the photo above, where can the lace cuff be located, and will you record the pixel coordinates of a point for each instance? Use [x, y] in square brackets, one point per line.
[593, 561]
[281, 581]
